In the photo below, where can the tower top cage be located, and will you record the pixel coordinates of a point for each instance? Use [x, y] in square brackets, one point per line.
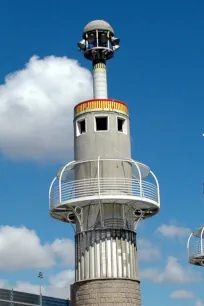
[195, 247]
[98, 41]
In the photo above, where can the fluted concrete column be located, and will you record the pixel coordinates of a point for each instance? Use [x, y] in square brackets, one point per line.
[108, 253]
[100, 80]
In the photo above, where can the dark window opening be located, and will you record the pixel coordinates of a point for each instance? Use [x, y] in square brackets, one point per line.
[101, 123]
[120, 124]
[82, 127]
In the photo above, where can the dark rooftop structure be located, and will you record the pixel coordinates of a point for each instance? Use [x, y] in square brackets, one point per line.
[17, 298]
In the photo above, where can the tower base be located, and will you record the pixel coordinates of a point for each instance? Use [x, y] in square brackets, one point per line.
[106, 292]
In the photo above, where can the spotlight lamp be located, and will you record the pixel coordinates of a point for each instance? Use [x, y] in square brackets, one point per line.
[116, 47]
[103, 37]
[82, 45]
[115, 41]
[91, 38]
[40, 275]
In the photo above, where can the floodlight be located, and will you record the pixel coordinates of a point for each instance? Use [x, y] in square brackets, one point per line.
[115, 41]
[40, 274]
[116, 47]
[91, 38]
[103, 37]
[82, 44]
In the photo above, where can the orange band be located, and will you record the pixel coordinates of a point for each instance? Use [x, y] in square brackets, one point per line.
[101, 105]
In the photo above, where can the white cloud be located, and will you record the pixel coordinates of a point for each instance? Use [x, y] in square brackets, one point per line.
[181, 294]
[64, 248]
[58, 285]
[147, 251]
[173, 231]
[173, 273]
[20, 248]
[27, 287]
[199, 303]
[36, 108]
[4, 284]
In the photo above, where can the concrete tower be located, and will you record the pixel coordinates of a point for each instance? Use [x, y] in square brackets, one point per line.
[103, 193]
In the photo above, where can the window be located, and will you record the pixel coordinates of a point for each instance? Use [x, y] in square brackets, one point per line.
[81, 127]
[122, 125]
[101, 123]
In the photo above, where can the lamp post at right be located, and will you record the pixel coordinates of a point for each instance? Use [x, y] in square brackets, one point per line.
[40, 276]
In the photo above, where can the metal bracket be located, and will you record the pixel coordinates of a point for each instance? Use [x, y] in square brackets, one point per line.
[139, 219]
[78, 219]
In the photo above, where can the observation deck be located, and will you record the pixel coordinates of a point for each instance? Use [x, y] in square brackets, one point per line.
[104, 181]
[195, 246]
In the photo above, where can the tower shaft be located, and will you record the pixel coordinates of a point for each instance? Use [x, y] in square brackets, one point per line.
[105, 239]
[100, 79]
[106, 292]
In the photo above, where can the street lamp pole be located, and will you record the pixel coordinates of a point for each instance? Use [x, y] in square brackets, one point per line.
[40, 276]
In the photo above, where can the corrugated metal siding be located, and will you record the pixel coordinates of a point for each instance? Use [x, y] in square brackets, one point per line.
[106, 253]
[17, 298]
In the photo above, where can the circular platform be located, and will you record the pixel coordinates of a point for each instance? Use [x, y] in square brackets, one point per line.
[104, 181]
[195, 246]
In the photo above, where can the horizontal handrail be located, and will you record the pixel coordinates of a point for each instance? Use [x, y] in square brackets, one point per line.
[73, 190]
[195, 247]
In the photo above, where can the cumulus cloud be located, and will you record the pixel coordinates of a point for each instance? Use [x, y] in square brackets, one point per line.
[4, 284]
[64, 249]
[58, 285]
[147, 251]
[173, 231]
[182, 294]
[27, 287]
[21, 248]
[172, 273]
[36, 108]
[199, 303]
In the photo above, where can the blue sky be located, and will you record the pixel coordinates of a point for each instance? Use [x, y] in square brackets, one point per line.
[158, 72]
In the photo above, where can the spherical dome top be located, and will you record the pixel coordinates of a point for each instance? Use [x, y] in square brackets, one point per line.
[98, 25]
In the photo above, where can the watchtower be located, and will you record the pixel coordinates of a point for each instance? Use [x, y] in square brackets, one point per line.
[103, 193]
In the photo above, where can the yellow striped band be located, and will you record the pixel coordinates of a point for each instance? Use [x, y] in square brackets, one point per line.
[99, 66]
[101, 105]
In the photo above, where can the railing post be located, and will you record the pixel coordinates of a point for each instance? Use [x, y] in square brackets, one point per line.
[99, 187]
[99, 193]
[188, 244]
[140, 177]
[201, 243]
[50, 191]
[11, 297]
[158, 189]
[60, 180]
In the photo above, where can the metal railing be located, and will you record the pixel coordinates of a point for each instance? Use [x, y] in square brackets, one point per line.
[99, 187]
[17, 303]
[195, 244]
[196, 250]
